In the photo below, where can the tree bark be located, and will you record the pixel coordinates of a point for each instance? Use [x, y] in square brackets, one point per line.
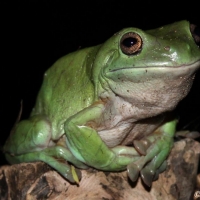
[31, 181]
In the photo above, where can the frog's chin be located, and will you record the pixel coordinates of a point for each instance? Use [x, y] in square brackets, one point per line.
[161, 87]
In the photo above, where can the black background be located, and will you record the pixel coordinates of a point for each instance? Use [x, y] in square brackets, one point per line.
[35, 33]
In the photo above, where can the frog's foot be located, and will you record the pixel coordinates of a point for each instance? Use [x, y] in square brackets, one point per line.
[187, 134]
[154, 150]
[152, 162]
[57, 157]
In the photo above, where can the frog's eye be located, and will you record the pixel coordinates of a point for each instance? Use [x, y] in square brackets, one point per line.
[131, 43]
[195, 31]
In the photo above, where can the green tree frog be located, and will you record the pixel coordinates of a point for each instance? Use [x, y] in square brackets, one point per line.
[108, 106]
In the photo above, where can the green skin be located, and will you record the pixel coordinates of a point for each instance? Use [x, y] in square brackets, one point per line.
[96, 101]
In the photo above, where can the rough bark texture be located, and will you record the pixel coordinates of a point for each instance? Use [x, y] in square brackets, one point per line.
[32, 181]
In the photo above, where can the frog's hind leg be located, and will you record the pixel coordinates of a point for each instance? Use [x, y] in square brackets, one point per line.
[31, 141]
[155, 150]
[57, 157]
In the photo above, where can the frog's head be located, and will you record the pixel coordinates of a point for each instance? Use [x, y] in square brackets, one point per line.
[149, 68]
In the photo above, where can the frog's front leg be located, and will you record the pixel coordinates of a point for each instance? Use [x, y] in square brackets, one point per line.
[155, 149]
[86, 145]
[30, 141]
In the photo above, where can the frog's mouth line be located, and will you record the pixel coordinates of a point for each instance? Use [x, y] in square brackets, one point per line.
[194, 65]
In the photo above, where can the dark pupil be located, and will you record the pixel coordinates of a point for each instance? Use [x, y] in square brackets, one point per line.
[129, 42]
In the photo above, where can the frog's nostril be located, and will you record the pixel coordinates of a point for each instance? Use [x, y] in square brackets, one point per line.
[195, 30]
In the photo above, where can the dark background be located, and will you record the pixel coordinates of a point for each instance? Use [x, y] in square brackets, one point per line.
[35, 33]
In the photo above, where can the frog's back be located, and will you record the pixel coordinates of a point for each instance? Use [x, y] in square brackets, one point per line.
[67, 87]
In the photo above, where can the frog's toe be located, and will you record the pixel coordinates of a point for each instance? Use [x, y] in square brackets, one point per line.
[133, 171]
[134, 168]
[147, 175]
[162, 168]
[187, 134]
[141, 145]
[74, 176]
[71, 173]
[156, 175]
[150, 172]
